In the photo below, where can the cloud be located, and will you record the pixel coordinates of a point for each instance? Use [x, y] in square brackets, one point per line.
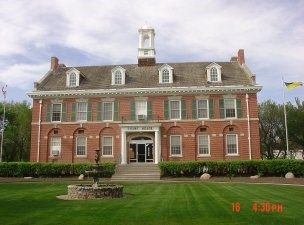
[271, 33]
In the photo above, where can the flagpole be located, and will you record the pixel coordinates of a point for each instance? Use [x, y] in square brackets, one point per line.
[285, 118]
[2, 134]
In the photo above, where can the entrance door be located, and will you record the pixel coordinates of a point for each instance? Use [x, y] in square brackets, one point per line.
[141, 151]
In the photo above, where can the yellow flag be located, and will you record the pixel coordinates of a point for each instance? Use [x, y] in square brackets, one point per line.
[293, 85]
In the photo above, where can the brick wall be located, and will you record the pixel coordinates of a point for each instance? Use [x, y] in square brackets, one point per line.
[188, 129]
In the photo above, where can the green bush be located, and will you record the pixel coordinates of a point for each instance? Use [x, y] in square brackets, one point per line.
[232, 168]
[29, 169]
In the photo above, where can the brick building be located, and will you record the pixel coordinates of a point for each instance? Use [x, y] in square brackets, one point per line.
[146, 112]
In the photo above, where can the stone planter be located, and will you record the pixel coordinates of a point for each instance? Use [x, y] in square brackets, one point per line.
[101, 191]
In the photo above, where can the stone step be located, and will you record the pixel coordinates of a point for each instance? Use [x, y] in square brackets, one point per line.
[136, 171]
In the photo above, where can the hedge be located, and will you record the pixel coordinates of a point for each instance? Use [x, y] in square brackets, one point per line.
[277, 167]
[29, 169]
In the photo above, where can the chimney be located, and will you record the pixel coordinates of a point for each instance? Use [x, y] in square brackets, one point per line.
[54, 63]
[241, 56]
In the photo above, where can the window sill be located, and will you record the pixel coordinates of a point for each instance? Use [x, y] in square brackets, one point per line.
[107, 156]
[178, 156]
[232, 155]
[204, 156]
[81, 156]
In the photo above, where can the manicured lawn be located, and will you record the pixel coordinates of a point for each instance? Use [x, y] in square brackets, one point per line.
[154, 203]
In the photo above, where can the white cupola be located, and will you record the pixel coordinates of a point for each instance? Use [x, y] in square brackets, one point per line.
[146, 50]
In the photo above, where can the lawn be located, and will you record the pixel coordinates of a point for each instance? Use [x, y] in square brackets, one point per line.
[155, 203]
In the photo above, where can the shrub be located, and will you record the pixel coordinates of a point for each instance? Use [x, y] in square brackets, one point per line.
[29, 169]
[232, 168]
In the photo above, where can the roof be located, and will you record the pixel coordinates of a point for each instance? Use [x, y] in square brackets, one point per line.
[184, 75]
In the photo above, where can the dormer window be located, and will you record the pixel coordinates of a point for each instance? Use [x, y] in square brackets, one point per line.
[214, 73]
[165, 74]
[72, 78]
[118, 76]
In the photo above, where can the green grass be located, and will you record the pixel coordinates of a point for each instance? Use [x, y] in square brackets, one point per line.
[152, 203]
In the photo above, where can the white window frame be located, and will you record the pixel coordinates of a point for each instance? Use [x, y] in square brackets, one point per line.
[118, 77]
[114, 72]
[103, 146]
[197, 108]
[218, 70]
[235, 109]
[70, 73]
[237, 145]
[137, 108]
[180, 145]
[55, 140]
[78, 117]
[60, 113]
[160, 74]
[199, 144]
[165, 76]
[104, 112]
[180, 110]
[213, 74]
[85, 146]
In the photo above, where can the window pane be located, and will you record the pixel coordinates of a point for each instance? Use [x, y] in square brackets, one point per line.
[175, 110]
[165, 76]
[72, 80]
[213, 74]
[81, 143]
[141, 107]
[108, 111]
[203, 144]
[202, 108]
[230, 108]
[118, 77]
[82, 111]
[232, 144]
[55, 145]
[175, 145]
[107, 146]
[56, 115]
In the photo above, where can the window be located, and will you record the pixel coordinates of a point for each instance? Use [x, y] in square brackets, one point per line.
[118, 77]
[72, 80]
[202, 109]
[175, 145]
[55, 146]
[56, 113]
[175, 109]
[81, 111]
[107, 111]
[203, 145]
[165, 73]
[107, 146]
[230, 108]
[81, 145]
[232, 144]
[213, 74]
[141, 109]
[165, 76]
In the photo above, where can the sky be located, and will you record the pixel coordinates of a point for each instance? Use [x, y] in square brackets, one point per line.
[103, 32]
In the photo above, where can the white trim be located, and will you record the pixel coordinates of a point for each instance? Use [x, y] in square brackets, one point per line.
[52, 111]
[102, 113]
[235, 108]
[202, 118]
[123, 75]
[148, 91]
[86, 143]
[219, 72]
[160, 74]
[180, 109]
[69, 73]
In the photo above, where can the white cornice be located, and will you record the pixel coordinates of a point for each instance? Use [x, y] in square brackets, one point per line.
[146, 91]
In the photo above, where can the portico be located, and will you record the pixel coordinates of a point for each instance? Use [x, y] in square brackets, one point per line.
[140, 143]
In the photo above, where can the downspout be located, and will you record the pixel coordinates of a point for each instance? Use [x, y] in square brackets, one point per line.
[248, 124]
[39, 130]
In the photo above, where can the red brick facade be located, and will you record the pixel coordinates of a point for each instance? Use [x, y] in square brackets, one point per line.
[188, 129]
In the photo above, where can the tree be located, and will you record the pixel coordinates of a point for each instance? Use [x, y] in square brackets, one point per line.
[17, 131]
[272, 129]
[295, 121]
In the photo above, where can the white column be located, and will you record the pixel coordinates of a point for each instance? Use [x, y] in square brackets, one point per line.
[123, 147]
[157, 147]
